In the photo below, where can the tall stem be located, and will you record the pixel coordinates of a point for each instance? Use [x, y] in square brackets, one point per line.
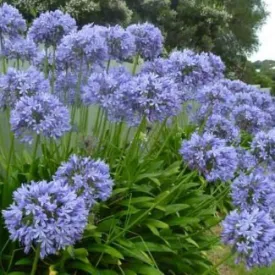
[35, 262]
[135, 64]
[36, 147]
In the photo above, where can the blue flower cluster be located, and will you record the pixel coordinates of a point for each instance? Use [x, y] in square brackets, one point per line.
[12, 23]
[40, 114]
[251, 233]
[46, 214]
[210, 156]
[16, 84]
[50, 27]
[90, 179]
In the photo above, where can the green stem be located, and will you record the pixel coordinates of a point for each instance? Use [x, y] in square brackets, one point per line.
[10, 155]
[135, 64]
[35, 147]
[35, 262]
[108, 65]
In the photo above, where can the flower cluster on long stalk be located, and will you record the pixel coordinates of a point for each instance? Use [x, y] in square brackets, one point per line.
[48, 95]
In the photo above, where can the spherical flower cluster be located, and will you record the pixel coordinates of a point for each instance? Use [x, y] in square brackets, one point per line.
[102, 86]
[263, 146]
[90, 179]
[238, 86]
[148, 39]
[256, 189]
[159, 66]
[19, 48]
[193, 70]
[121, 43]
[250, 118]
[66, 85]
[50, 27]
[223, 128]
[16, 84]
[46, 214]
[251, 233]
[87, 46]
[210, 156]
[41, 114]
[156, 98]
[12, 23]
[247, 161]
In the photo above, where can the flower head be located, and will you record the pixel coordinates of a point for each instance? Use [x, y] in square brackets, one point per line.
[263, 146]
[46, 214]
[210, 156]
[148, 39]
[20, 48]
[256, 189]
[50, 27]
[90, 179]
[121, 43]
[87, 46]
[251, 233]
[12, 23]
[16, 84]
[41, 114]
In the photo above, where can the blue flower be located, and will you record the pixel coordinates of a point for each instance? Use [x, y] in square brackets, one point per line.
[50, 27]
[87, 46]
[89, 178]
[251, 233]
[254, 190]
[101, 86]
[46, 214]
[148, 39]
[12, 23]
[19, 48]
[223, 128]
[210, 156]
[263, 146]
[251, 119]
[121, 43]
[41, 114]
[16, 84]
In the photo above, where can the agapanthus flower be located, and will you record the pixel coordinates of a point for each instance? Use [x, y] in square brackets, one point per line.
[251, 119]
[223, 128]
[263, 146]
[46, 214]
[19, 48]
[150, 96]
[214, 99]
[251, 233]
[89, 178]
[101, 86]
[238, 86]
[12, 23]
[159, 66]
[247, 161]
[193, 70]
[50, 27]
[87, 46]
[66, 85]
[210, 156]
[41, 114]
[16, 84]
[256, 189]
[121, 43]
[148, 39]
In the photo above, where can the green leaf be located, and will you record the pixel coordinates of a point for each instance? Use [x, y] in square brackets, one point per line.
[129, 272]
[103, 248]
[153, 247]
[81, 266]
[24, 261]
[183, 221]
[157, 223]
[173, 208]
[146, 270]
[17, 273]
